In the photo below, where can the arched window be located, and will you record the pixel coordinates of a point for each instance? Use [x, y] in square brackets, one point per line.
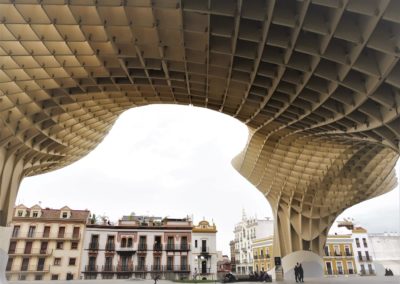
[123, 242]
[130, 243]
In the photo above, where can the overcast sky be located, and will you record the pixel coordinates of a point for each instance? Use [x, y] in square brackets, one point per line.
[175, 161]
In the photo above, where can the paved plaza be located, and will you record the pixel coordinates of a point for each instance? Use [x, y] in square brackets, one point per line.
[330, 280]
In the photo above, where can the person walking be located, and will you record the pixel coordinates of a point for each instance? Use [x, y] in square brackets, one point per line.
[296, 272]
[301, 273]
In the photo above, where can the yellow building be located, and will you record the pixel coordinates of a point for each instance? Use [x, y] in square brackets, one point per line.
[339, 255]
[338, 259]
[263, 254]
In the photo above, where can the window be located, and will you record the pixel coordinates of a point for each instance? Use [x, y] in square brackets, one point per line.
[20, 213]
[9, 264]
[15, 231]
[130, 243]
[74, 245]
[367, 255]
[326, 250]
[123, 242]
[72, 261]
[370, 269]
[358, 242]
[184, 263]
[25, 263]
[35, 214]
[339, 267]
[350, 267]
[64, 215]
[57, 261]
[195, 243]
[11, 248]
[46, 232]
[60, 245]
[54, 277]
[31, 231]
[170, 262]
[359, 256]
[61, 232]
[365, 242]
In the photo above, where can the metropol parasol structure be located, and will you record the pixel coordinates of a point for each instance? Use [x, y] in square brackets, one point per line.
[316, 82]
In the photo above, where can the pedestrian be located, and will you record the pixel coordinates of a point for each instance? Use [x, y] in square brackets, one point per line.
[156, 278]
[301, 273]
[195, 274]
[296, 272]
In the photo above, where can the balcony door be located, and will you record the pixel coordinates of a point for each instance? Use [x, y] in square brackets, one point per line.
[28, 248]
[40, 265]
[204, 267]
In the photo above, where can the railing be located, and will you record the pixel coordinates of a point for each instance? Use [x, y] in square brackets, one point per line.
[33, 251]
[93, 245]
[110, 247]
[367, 272]
[125, 249]
[91, 268]
[45, 235]
[157, 247]
[205, 271]
[204, 249]
[29, 269]
[124, 268]
[365, 258]
[180, 247]
[339, 272]
[138, 268]
[142, 247]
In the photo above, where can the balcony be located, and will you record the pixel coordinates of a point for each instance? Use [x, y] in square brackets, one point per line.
[110, 247]
[94, 246]
[33, 252]
[142, 247]
[141, 268]
[157, 247]
[177, 268]
[28, 269]
[124, 268]
[365, 258]
[46, 235]
[367, 272]
[125, 250]
[204, 250]
[107, 268]
[91, 268]
[180, 247]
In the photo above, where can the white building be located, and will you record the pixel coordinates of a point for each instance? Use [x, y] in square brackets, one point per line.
[246, 232]
[386, 248]
[204, 251]
[144, 247]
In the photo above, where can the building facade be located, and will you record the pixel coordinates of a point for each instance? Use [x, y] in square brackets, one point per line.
[144, 247]
[46, 244]
[339, 256]
[386, 248]
[204, 251]
[263, 254]
[246, 231]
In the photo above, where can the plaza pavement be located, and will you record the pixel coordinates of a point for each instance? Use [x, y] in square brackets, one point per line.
[330, 280]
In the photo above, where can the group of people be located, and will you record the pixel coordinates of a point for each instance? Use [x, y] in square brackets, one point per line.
[299, 273]
[388, 272]
[263, 276]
